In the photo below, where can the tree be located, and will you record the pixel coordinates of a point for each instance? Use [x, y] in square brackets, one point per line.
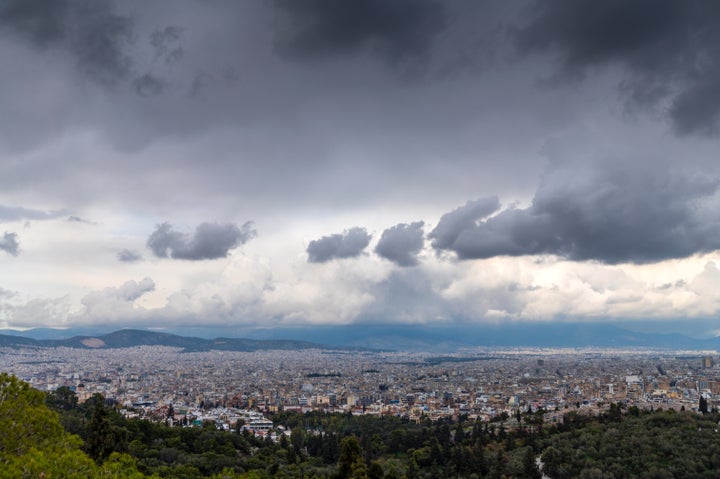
[478, 461]
[375, 471]
[33, 443]
[297, 439]
[351, 463]
[25, 420]
[530, 466]
[100, 440]
[703, 406]
[459, 434]
[62, 399]
[412, 470]
[499, 468]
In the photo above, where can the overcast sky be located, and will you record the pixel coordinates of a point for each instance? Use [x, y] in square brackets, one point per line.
[284, 162]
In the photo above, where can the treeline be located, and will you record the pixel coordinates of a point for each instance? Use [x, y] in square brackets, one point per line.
[639, 444]
[319, 445]
[391, 447]
[53, 436]
[33, 443]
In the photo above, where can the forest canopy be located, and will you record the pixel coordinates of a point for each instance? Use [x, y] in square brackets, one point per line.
[54, 436]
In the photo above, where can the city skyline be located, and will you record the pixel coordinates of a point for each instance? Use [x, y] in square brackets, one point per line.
[275, 164]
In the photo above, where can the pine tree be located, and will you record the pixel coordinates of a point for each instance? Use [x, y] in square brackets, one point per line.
[33, 443]
[351, 463]
[530, 467]
[459, 434]
[100, 439]
[703, 406]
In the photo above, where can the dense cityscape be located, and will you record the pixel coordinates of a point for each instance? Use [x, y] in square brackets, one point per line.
[482, 384]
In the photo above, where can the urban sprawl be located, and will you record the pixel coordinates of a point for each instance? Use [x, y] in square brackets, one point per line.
[232, 389]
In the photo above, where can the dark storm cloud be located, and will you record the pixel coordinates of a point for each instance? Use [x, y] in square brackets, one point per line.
[128, 256]
[148, 85]
[402, 243]
[670, 49]
[398, 30]
[9, 244]
[18, 213]
[231, 93]
[461, 219]
[210, 241]
[348, 244]
[697, 109]
[166, 44]
[612, 215]
[90, 30]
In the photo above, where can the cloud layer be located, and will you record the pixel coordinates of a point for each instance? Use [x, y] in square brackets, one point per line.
[17, 213]
[402, 243]
[348, 244]
[91, 32]
[612, 215]
[583, 133]
[128, 256]
[398, 31]
[210, 241]
[669, 50]
[9, 244]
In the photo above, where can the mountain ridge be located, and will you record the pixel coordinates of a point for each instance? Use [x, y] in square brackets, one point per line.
[436, 338]
[126, 338]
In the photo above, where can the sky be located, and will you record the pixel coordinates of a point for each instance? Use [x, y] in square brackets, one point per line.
[274, 163]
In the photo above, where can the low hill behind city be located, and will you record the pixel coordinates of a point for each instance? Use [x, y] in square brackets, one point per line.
[432, 338]
[127, 338]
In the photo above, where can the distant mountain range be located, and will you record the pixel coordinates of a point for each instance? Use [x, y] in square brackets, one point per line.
[451, 337]
[435, 338]
[127, 338]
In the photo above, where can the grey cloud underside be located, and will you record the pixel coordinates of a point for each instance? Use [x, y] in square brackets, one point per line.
[398, 30]
[128, 256]
[348, 244]
[210, 241]
[78, 219]
[402, 243]
[116, 298]
[9, 243]
[232, 94]
[5, 293]
[670, 50]
[18, 213]
[612, 215]
[166, 44]
[453, 224]
[414, 296]
[89, 30]
[130, 290]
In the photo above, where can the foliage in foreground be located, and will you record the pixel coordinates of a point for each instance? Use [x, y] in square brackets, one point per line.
[657, 445]
[35, 442]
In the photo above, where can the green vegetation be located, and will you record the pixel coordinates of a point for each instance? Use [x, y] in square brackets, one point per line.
[52, 436]
[34, 444]
[662, 444]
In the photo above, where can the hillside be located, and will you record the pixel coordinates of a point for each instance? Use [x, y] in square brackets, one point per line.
[128, 338]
